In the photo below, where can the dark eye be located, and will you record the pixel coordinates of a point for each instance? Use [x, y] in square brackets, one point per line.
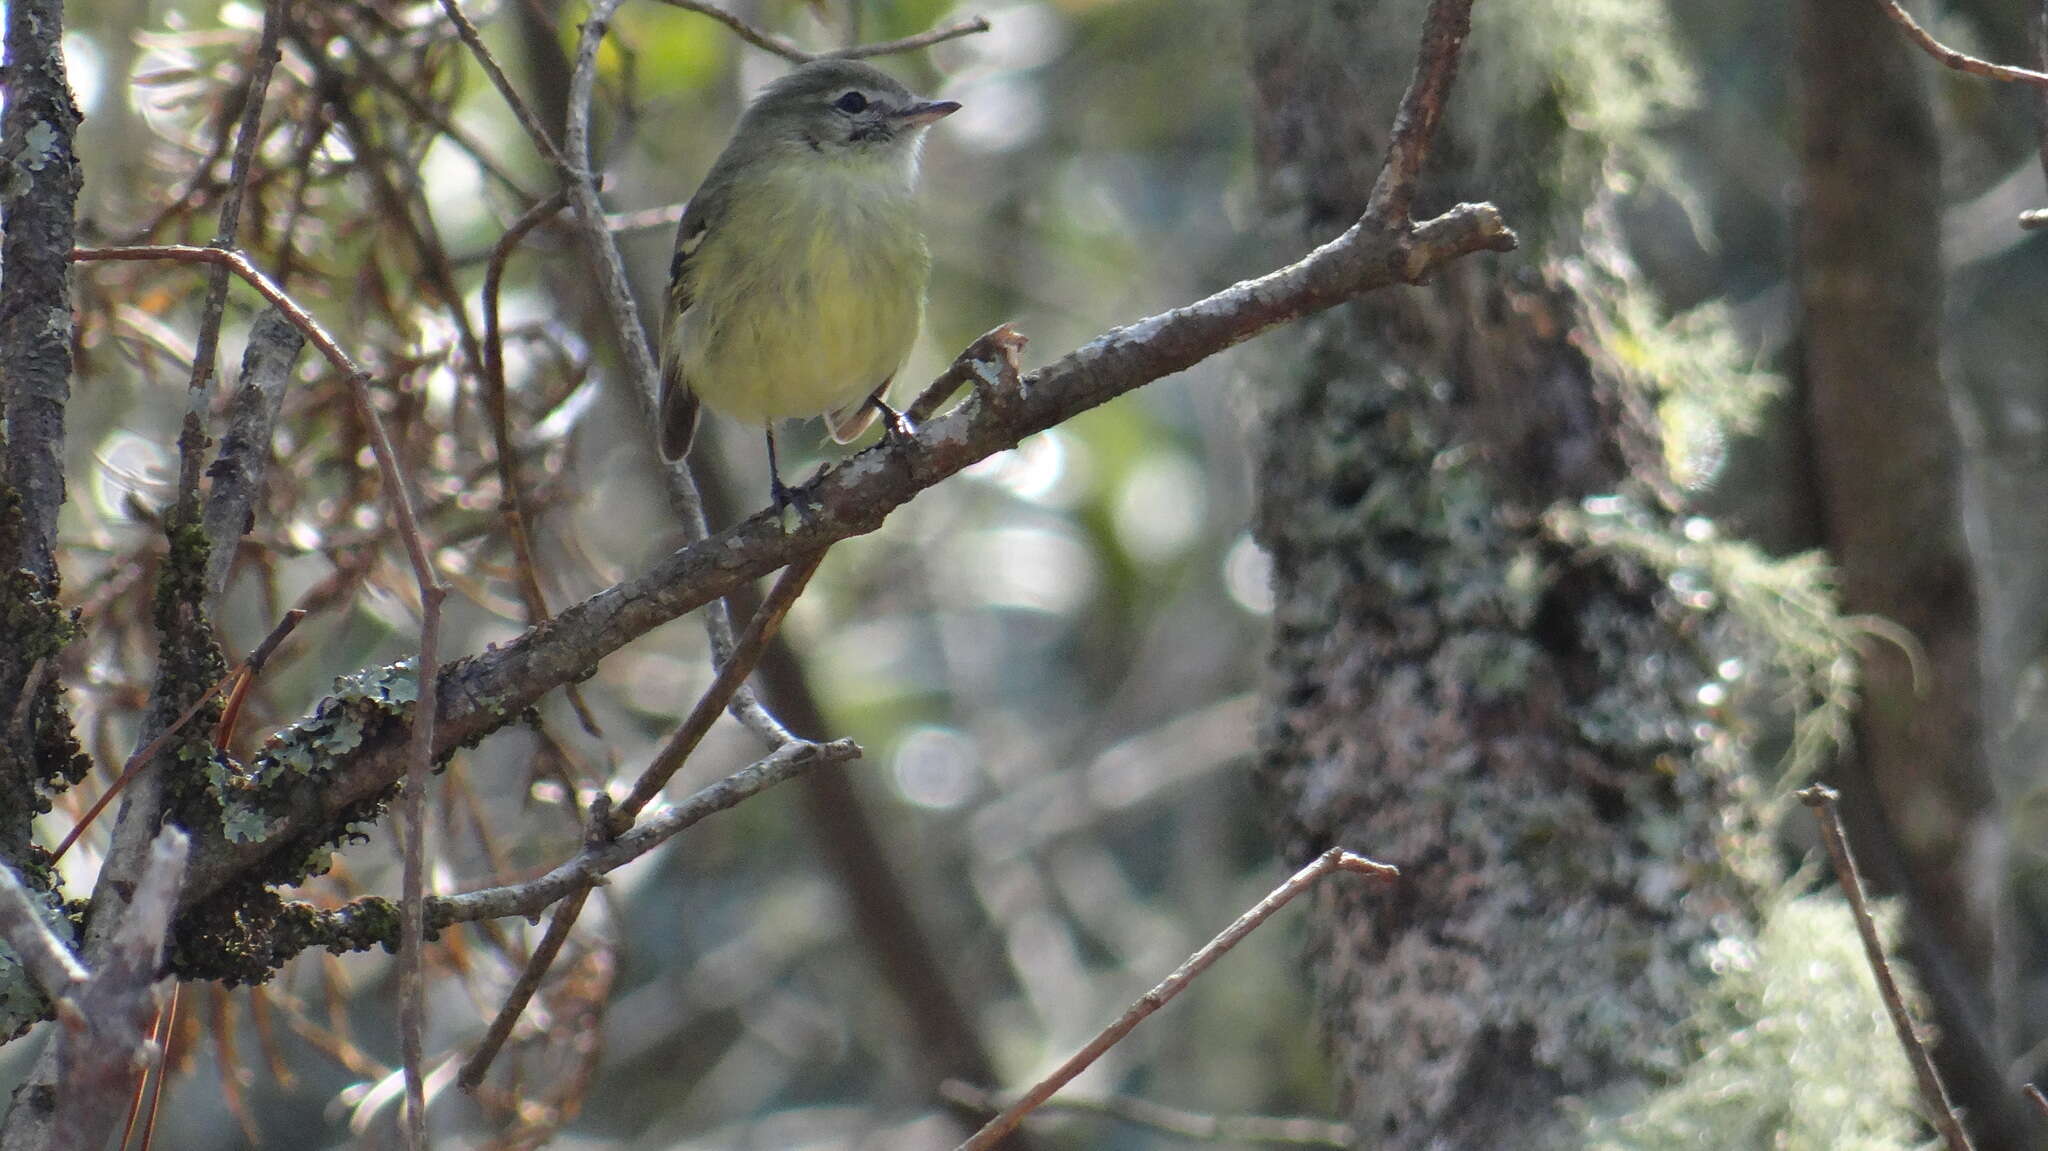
[851, 102]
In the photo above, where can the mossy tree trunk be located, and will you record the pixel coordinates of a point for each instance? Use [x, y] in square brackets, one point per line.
[1451, 689]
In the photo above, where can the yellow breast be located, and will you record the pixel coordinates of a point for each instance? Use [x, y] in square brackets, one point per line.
[807, 296]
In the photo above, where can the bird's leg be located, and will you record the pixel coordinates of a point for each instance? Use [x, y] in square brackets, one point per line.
[783, 494]
[896, 427]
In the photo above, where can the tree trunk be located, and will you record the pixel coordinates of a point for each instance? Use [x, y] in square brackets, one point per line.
[1884, 461]
[1451, 689]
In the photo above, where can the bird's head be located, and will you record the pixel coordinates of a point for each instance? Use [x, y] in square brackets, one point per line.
[844, 110]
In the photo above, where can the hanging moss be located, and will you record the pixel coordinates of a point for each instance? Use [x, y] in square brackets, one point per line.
[1791, 1050]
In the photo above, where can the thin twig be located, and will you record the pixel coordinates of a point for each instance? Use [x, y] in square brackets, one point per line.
[746, 653]
[531, 898]
[1958, 60]
[787, 49]
[143, 756]
[631, 339]
[953, 31]
[1444, 29]
[560, 924]
[1335, 859]
[759, 38]
[239, 264]
[607, 825]
[511, 497]
[1285, 1130]
[247, 133]
[571, 882]
[412, 976]
[1933, 1093]
[542, 142]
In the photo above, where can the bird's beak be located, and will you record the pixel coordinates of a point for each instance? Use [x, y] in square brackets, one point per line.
[918, 115]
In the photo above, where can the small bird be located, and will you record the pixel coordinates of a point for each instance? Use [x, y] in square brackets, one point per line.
[799, 275]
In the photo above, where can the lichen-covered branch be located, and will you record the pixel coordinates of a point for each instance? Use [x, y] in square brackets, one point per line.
[38, 190]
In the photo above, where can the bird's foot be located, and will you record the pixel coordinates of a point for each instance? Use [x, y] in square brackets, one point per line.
[793, 505]
[896, 427]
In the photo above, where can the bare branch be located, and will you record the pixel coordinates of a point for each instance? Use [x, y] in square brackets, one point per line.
[740, 664]
[237, 469]
[606, 823]
[1444, 29]
[1335, 859]
[102, 1026]
[191, 440]
[26, 931]
[630, 337]
[536, 895]
[1958, 60]
[412, 976]
[786, 48]
[523, 989]
[953, 31]
[572, 881]
[239, 264]
[542, 142]
[511, 496]
[1940, 1111]
[760, 38]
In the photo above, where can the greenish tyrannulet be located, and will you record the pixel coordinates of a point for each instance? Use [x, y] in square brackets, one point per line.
[799, 275]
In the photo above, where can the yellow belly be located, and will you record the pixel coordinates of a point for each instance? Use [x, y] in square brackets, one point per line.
[814, 312]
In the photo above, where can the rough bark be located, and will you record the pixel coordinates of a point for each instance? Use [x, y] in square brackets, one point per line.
[1884, 460]
[37, 193]
[38, 187]
[1448, 689]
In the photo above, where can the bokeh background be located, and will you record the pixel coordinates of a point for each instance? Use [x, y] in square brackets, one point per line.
[1051, 662]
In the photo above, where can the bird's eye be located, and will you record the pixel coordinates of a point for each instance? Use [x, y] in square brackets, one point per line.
[851, 102]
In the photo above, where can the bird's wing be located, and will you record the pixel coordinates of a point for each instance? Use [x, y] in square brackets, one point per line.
[678, 401]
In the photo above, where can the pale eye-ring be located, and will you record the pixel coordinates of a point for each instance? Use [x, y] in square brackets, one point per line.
[851, 102]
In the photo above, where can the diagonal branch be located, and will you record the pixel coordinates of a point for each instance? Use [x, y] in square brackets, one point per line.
[1961, 62]
[1334, 860]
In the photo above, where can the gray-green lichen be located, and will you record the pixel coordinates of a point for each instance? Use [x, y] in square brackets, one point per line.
[362, 704]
